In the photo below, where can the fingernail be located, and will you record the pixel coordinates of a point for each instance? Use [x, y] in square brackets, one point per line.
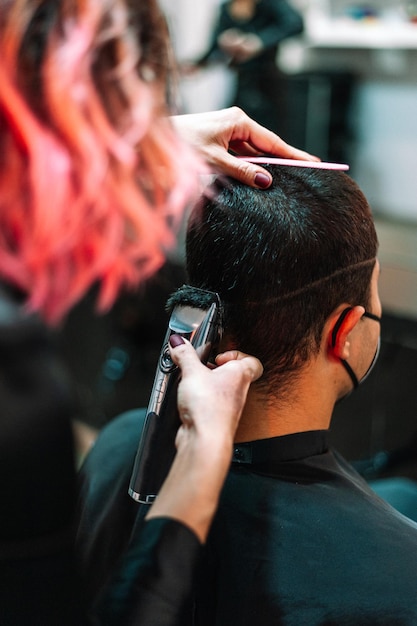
[176, 340]
[262, 180]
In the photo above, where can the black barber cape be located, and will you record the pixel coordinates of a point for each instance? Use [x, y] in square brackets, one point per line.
[134, 572]
[41, 583]
[299, 538]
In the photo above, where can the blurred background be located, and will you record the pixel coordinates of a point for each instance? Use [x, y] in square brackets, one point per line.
[345, 89]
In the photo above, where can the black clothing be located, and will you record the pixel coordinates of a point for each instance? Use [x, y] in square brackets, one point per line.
[106, 513]
[299, 538]
[153, 583]
[133, 572]
[273, 21]
[259, 90]
[40, 582]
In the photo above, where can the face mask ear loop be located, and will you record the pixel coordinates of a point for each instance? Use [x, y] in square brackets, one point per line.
[351, 373]
[339, 323]
[371, 316]
[345, 364]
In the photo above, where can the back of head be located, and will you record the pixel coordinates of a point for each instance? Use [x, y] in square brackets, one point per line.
[282, 260]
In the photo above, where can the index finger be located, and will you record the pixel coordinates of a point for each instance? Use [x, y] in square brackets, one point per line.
[183, 354]
[243, 149]
[258, 139]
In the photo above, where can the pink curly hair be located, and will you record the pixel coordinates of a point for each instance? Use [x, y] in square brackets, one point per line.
[92, 176]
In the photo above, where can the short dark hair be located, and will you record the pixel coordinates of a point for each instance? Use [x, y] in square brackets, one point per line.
[282, 260]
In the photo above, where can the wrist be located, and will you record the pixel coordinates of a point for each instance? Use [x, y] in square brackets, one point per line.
[191, 491]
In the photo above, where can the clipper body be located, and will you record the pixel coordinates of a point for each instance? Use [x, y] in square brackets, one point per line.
[156, 448]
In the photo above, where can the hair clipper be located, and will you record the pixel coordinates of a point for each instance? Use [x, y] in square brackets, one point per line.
[196, 315]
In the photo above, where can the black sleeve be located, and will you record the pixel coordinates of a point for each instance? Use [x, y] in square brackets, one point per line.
[154, 583]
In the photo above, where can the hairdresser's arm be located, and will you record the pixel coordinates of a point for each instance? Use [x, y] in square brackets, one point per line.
[218, 133]
[153, 582]
[210, 403]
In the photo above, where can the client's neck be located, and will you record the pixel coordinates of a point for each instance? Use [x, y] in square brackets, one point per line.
[306, 408]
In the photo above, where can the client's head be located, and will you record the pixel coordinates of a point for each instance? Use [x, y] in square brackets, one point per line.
[282, 260]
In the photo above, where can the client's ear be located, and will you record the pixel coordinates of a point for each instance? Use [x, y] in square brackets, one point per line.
[341, 324]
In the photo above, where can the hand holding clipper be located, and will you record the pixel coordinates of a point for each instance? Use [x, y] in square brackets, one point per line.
[196, 315]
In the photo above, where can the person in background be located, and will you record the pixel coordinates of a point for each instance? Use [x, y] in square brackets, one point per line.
[246, 38]
[93, 179]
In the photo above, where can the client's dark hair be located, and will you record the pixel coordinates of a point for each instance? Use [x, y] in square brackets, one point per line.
[282, 260]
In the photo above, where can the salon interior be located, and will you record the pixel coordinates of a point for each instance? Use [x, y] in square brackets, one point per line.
[352, 80]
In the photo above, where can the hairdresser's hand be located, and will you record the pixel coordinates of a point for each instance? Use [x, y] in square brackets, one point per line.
[217, 133]
[210, 403]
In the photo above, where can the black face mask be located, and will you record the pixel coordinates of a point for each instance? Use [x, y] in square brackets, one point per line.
[345, 364]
